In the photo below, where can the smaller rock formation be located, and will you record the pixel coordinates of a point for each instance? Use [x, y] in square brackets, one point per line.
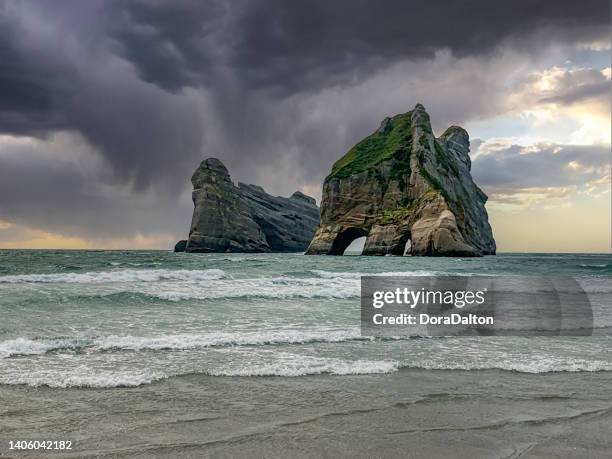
[244, 218]
[180, 246]
[404, 184]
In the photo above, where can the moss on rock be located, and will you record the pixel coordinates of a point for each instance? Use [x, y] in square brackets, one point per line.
[392, 138]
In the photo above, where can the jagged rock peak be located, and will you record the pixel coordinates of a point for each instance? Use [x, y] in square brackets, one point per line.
[402, 183]
[299, 195]
[210, 169]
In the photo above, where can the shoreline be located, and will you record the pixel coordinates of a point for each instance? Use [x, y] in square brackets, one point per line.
[411, 412]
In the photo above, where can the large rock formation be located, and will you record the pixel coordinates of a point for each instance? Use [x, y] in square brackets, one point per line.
[244, 218]
[401, 183]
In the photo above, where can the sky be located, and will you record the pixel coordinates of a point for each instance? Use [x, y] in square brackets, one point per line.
[107, 108]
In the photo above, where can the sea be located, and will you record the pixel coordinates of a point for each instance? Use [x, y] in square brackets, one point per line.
[84, 330]
[127, 318]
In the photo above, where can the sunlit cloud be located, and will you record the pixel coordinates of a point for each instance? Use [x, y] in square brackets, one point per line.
[598, 45]
[23, 237]
[539, 173]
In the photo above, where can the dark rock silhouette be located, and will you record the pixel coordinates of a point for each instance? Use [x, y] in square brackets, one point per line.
[180, 246]
[244, 218]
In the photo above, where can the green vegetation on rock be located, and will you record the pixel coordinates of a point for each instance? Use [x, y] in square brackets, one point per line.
[434, 183]
[397, 215]
[400, 170]
[394, 137]
[399, 183]
[393, 216]
[443, 159]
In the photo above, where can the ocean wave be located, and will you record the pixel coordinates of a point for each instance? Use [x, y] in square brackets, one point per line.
[302, 365]
[282, 287]
[358, 275]
[130, 371]
[594, 265]
[125, 275]
[283, 365]
[239, 259]
[185, 341]
[274, 288]
[287, 365]
[601, 269]
[84, 378]
[26, 346]
[535, 367]
[195, 341]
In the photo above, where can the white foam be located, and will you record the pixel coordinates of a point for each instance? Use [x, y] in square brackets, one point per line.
[82, 377]
[112, 368]
[184, 341]
[25, 346]
[301, 365]
[547, 365]
[124, 275]
[358, 275]
[244, 338]
[286, 365]
[275, 288]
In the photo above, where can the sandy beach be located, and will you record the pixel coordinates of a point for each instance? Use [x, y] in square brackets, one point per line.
[411, 413]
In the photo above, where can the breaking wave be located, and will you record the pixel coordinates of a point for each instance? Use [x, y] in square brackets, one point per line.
[83, 377]
[114, 361]
[534, 367]
[358, 275]
[194, 341]
[273, 288]
[125, 275]
[301, 365]
[284, 365]
[25, 346]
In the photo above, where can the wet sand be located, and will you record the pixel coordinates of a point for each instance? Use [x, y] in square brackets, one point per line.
[411, 413]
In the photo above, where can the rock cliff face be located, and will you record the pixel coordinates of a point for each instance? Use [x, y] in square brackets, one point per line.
[403, 184]
[244, 218]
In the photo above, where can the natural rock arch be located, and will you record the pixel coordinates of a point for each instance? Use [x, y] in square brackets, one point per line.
[344, 239]
[407, 248]
[404, 246]
[401, 183]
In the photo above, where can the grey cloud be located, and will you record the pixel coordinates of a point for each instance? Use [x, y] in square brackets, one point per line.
[47, 85]
[68, 196]
[290, 46]
[515, 168]
[172, 44]
[580, 93]
[31, 88]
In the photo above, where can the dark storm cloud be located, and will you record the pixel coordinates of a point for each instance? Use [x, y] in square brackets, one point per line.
[67, 194]
[56, 77]
[31, 89]
[173, 44]
[289, 46]
[60, 67]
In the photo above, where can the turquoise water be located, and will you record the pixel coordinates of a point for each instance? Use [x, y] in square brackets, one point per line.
[128, 318]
